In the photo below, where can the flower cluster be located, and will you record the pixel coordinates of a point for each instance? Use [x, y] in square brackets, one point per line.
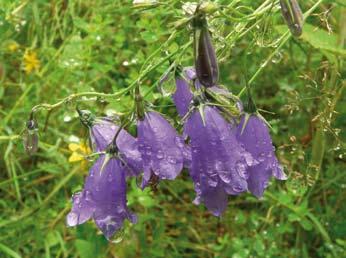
[225, 146]
[224, 156]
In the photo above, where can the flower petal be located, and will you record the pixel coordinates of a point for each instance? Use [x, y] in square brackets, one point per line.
[161, 147]
[255, 137]
[103, 198]
[218, 160]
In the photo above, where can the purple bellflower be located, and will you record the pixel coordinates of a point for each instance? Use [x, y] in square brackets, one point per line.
[182, 96]
[253, 134]
[163, 150]
[102, 132]
[103, 198]
[219, 163]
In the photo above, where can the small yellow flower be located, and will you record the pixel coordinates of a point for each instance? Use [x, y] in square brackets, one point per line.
[31, 62]
[13, 46]
[79, 151]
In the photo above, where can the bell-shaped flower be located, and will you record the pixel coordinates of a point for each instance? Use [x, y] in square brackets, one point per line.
[219, 163]
[182, 96]
[102, 131]
[163, 150]
[254, 135]
[103, 198]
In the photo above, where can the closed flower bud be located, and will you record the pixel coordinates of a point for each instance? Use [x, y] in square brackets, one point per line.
[205, 58]
[293, 16]
[30, 137]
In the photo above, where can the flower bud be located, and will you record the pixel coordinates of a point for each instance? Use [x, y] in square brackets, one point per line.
[30, 137]
[293, 16]
[86, 117]
[205, 58]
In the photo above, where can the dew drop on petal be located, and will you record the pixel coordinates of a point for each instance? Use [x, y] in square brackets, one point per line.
[241, 169]
[171, 160]
[87, 195]
[179, 142]
[225, 176]
[237, 188]
[72, 219]
[160, 154]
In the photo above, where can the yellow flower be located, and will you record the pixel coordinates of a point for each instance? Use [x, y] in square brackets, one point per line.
[31, 62]
[79, 151]
[13, 46]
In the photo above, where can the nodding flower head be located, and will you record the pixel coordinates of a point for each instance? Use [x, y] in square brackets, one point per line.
[102, 131]
[30, 136]
[254, 135]
[86, 117]
[103, 198]
[219, 163]
[163, 150]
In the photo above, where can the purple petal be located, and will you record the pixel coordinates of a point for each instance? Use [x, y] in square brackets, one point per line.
[218, 160]
[215, 198]
[103, 198]
[102, 133]
[182, 96]
[190, 73]
[161, 147]
[256, 139]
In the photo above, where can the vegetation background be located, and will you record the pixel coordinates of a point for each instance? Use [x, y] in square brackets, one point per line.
[50, 49]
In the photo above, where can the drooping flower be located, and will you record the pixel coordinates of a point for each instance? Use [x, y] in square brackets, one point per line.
[219, 162]
[253, 133]
[30, 136]
[103, 198]
[182, 96]
[162, 149]
[102, 132]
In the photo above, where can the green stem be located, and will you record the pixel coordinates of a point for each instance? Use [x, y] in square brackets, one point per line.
[285, 37]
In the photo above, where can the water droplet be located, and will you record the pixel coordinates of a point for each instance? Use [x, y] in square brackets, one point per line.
[241, 169]
[179, 142]
[225, 176]
[148, 150]
[277, 57]
[171, 160]
[72, 219]
[76, 198]
[261, 157]
[117, 237]
[87, 195]
[160, 154]
[237, 188]
[110, 178]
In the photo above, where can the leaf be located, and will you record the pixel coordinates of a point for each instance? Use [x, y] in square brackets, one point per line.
[321, 39]
[8, 251]
[85, 248]
[318, 38]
